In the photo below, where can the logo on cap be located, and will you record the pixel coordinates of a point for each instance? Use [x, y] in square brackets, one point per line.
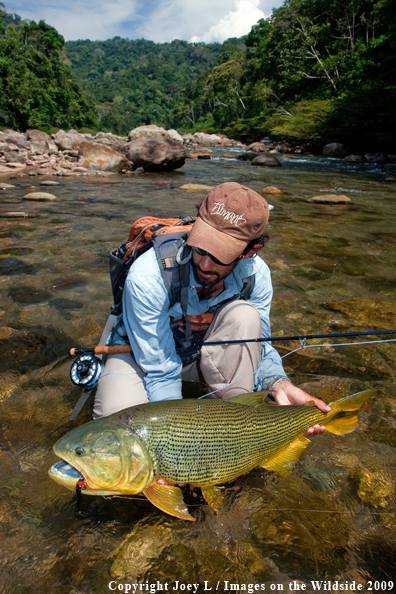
[228, 215]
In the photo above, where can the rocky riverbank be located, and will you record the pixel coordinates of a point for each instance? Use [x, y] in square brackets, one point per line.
[146, 148]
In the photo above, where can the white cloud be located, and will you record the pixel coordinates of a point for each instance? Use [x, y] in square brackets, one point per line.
[157, 20]
[78, 19]
[236, 23]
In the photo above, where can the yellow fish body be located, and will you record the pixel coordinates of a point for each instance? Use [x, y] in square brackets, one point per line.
[201, 442]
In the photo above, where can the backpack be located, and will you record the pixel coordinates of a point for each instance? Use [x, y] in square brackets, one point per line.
[167, 236]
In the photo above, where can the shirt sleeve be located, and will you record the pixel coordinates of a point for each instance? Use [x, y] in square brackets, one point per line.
[270, 367]
[147, 322]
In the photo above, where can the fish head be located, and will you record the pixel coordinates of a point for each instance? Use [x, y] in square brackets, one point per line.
[102, 458]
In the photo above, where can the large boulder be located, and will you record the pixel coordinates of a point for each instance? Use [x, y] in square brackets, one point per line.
[266, 161]
[150, 131]
[68, 140]
[207, 139]
[41, 143]
[257, 147]
[155, 154]
[175, 135]
[16, 138]
[101, 157]
[334, 149]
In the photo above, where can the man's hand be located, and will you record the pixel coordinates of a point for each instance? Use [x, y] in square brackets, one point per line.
[286, 393]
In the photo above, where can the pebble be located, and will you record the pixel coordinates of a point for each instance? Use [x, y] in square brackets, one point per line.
[40, 197]
[331, 199]
[4, 186]
[49, 183]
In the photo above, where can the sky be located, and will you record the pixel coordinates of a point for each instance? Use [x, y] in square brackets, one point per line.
[157, 20]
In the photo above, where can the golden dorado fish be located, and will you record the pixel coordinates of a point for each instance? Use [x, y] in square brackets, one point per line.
[201, 442]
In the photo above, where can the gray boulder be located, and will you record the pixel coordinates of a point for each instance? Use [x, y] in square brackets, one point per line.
[266, 161]
[335, 150]
[246, 156]
[355, 158]
[155, 154]
[377, 158]
[101, 157]
[257, 147]
[68, 140]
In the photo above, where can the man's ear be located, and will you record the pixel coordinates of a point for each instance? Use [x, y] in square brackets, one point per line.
[251, 251]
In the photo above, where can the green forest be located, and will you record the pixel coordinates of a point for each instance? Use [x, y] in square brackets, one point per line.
[315, 71]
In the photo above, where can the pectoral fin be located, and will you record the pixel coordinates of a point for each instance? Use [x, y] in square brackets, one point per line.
[213, 496]
[169, 499]
[284, 460]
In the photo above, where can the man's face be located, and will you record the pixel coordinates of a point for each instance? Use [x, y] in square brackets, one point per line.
[208, 272]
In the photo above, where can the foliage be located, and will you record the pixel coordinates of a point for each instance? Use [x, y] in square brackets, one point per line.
[141, 82]
[36, 86]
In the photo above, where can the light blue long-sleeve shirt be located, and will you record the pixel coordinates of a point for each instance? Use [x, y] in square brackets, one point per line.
[147, 316]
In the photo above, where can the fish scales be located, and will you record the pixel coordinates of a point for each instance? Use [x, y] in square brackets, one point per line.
[213, 442]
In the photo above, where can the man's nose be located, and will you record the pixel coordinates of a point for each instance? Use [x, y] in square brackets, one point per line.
[206, 263]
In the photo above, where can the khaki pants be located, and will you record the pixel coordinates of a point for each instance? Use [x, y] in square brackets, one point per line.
[223, 367]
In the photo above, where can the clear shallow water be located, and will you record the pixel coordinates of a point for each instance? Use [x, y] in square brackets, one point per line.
[333, 270]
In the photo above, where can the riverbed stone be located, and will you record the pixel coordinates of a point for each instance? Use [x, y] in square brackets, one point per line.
[199, 153]
[272, 190]
[355, 158]
[377, 158]
[195, 188]
[155, 154]
[4, 186]
[40, 197]
[49, 182]
[257, 147]
[266, 161]
[249, 156]
[100, 157]
[335, 150]
[331, 199]
[207, 139]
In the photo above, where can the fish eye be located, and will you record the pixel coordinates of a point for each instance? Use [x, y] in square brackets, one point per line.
[79, 452]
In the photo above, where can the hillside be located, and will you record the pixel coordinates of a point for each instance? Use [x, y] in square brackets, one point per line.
[141, 82]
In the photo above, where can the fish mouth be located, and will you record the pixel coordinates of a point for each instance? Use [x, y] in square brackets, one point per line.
[67, 475]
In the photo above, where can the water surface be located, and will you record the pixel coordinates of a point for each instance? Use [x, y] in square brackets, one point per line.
[333, 269]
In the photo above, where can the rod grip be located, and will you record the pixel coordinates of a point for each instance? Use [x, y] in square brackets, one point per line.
[102, 350]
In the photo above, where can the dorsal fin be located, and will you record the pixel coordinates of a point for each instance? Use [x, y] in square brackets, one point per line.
[253, 399]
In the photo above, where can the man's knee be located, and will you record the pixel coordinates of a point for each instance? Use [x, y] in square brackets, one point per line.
[242, 316]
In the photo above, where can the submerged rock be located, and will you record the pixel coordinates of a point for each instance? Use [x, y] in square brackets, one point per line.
[266, 161]
[272, 190]
[40, 197]
[195, 188]
[331, 199]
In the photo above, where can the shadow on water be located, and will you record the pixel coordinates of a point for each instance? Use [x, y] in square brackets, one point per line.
[333, 271]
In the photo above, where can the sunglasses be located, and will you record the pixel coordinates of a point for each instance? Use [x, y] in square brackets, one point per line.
[215, 260]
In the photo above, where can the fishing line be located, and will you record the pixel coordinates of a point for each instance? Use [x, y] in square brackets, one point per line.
[304, 346]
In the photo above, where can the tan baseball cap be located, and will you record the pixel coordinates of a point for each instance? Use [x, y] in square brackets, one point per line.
[231, 216]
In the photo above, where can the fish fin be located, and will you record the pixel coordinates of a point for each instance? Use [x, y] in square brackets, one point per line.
[283, 461]
[343, 424]
[213, 496]
[169, 499]
[354, 402]
[253, 399]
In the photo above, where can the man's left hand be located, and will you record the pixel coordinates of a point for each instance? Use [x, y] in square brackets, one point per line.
[286, 394]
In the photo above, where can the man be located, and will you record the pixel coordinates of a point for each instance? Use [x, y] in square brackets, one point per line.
[224, 241]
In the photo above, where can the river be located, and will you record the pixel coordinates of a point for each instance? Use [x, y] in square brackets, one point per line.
[333, 269]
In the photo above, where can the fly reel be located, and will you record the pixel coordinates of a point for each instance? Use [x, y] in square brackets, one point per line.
[85, 371]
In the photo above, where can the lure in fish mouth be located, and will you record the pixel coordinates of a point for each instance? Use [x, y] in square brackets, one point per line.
[204, 443]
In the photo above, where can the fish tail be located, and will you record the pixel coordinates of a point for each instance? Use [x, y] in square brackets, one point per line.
[346, 410]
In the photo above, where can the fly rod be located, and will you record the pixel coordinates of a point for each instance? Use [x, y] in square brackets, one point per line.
[126, 348]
